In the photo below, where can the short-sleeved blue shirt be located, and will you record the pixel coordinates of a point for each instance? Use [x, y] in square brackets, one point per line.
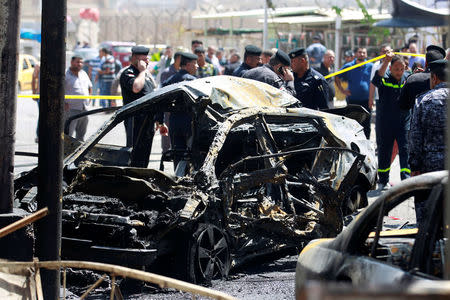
[358, 82]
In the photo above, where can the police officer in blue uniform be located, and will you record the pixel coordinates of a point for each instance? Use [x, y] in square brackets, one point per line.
[428, 125]
[135, 83]
[180, 121]
[252, 59]
[419, 83]
[428, 130]
[310, 86]
[275, 73]
[392, 123]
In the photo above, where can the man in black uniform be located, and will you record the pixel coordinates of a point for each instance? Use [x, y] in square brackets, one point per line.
[233, 64]
[310, 86]
[136, 82]
[275, 73]
[252, 59]
[180, 121]
[419, 83]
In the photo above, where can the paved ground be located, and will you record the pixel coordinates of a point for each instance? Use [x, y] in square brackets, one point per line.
[274, 280]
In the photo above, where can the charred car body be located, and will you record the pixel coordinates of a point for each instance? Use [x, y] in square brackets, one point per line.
[255, 181]
[384, 246]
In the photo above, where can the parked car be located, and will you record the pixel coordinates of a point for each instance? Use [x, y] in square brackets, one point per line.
[120, 50]
[86, 53]
[26, 68]
[262, 177]
[384, 246]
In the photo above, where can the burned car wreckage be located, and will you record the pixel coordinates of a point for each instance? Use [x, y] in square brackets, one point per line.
[262, 176]
[385, 245]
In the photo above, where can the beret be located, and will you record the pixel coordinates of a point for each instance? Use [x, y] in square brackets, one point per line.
[140, 50]
[437, 64]
[434, 48]
[283, 57]
[252, 50]
[199, 49]
[189, 56]
[297, 52]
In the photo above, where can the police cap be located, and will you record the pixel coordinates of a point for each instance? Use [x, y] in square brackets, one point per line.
[140, 50]
[189, 56]
[349, 53]
[438, 64]
[434, 53]
[297, 52]
[283, 57]
[199, 49]
[252, 50]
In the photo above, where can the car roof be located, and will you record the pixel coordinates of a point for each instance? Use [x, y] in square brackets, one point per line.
[232, 92]
[114, 43]
[86, 53]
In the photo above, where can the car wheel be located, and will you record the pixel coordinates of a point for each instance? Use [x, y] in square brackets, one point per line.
[357, 198]
[209, 255]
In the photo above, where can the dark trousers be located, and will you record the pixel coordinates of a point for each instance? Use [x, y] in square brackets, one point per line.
[390, 126]
[105, 89]
[165, 139]
[128, 123]
[365, 123]
[180, 132]
[142, 135]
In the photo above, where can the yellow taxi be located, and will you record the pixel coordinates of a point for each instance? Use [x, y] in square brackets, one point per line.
[26, 68]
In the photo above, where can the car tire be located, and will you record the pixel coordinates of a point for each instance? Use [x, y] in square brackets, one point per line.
[356, 198]
[209, 255]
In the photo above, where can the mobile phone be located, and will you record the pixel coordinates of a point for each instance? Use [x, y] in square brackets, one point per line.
[281, 71]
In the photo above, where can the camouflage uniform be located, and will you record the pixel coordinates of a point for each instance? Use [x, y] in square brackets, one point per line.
[428, 126]
[206, 71]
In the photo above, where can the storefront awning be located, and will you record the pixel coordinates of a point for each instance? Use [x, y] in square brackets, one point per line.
[407, 13]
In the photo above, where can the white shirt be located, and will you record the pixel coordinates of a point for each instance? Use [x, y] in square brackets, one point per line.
[77, 85]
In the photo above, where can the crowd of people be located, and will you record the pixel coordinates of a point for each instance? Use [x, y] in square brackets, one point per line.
[400, 87]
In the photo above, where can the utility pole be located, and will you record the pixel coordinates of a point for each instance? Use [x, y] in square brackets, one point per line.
[337, 42]
[9, 41]
[265, 26]
[447, 189]
[51, 112]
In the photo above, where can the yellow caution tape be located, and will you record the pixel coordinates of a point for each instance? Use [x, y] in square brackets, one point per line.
[370, 60]
[409, 54]
[77, 97]
[328, 76]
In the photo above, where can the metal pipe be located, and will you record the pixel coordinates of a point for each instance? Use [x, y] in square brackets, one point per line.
[51, 112]
[9, 42]
[23, 222]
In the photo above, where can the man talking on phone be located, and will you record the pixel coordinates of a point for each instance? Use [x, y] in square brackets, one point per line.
[135, 83]
[311, 88]
[275, 73]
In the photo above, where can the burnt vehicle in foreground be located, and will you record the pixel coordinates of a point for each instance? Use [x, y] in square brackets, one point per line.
[255, 181]
[384, 246]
